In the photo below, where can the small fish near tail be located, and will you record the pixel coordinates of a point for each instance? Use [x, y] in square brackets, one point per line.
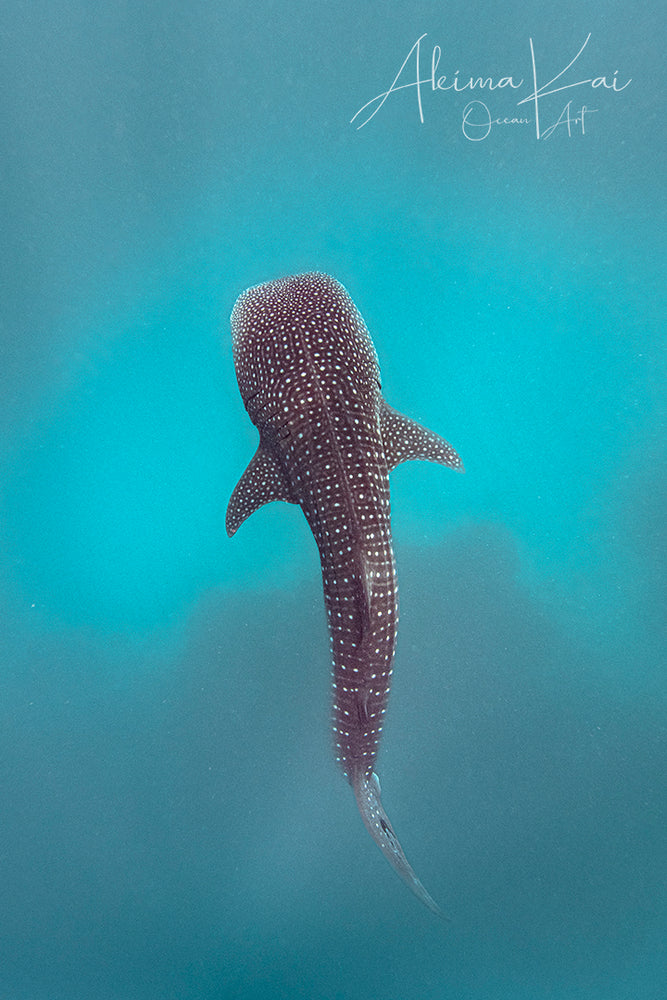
[367, 793]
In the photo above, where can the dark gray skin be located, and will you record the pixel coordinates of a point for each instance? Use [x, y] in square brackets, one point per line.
[310, 381]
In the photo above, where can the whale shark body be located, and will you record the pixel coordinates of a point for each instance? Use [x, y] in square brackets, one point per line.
[310, 380]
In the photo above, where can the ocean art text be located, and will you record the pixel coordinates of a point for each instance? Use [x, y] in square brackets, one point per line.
[420, 76]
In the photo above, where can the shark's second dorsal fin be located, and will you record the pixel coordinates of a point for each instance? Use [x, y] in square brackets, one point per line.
[404, 439]
[364, 596]
[261, 483]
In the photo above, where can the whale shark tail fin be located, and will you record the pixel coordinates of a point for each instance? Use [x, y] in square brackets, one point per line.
[367, 792]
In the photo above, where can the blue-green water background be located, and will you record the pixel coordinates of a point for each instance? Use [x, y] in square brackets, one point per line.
[172, 823]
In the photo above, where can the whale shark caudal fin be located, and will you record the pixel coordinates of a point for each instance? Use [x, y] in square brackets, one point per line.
[367, 793]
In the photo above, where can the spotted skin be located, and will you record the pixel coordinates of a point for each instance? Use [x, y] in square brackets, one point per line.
[309, 378]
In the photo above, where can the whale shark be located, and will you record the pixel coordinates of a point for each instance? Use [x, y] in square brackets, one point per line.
[309, 378]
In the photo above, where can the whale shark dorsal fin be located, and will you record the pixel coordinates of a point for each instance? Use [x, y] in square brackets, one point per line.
[261, 483]
[404, 439]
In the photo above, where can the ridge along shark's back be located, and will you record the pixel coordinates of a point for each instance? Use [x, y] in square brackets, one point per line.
[309, 378]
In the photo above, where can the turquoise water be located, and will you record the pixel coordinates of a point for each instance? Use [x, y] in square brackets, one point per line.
[173, 824]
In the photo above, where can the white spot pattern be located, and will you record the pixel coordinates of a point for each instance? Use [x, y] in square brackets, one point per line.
[309, 377]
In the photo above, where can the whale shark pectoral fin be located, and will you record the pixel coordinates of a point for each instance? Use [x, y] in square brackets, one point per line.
[367, 793]
[404, 439]
[261, 483]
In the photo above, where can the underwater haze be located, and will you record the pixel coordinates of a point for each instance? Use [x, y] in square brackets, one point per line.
[173, 824]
